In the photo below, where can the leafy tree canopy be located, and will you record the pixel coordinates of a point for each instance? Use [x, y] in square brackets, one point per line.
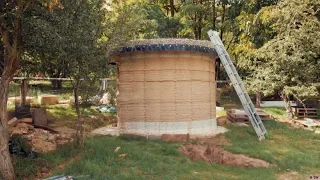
[289, 63]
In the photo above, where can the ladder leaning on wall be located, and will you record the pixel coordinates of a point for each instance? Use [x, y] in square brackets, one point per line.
[238, 85]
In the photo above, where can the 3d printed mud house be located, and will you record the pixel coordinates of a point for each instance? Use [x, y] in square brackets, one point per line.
[166, 86]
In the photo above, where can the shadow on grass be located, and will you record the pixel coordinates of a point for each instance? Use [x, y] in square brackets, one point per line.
[27, 167]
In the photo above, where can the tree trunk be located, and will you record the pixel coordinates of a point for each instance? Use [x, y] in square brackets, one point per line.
[258, 99]
[222, 20]
[11, 55]
[200, 27]
[214, 15]
[79, 121]
[56, 84]
[218, 64]
[258, 5]
[6, 167]
[287, 105]
[172, 8]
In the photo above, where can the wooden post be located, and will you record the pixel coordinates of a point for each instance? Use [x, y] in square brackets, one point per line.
[23, 91]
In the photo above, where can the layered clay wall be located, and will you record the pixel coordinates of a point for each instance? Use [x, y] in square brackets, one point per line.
[166, 92]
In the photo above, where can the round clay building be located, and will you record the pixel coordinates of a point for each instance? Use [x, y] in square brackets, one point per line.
[166, 86]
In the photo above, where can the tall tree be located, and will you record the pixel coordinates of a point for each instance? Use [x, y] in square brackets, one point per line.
[195, 14]
[66, 42]
[42, 43]
[289, 63]
[10, 18]
[76, 37]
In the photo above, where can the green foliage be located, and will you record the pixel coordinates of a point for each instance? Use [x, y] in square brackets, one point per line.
[193, 15]
[126, 22]
[253, 29]
[19, 145]
[165, 26]
[289, 63]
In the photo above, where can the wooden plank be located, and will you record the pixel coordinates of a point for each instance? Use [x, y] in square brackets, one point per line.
[13, 122]
[46, 128]
[306, 109]
[235, 115]
[302, 112]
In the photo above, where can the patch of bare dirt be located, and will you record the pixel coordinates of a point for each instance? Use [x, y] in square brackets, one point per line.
[209, 150]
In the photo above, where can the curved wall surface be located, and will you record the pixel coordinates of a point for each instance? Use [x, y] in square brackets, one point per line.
[166, 92]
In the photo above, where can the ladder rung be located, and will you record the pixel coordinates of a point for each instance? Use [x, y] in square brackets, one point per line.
[238, 85]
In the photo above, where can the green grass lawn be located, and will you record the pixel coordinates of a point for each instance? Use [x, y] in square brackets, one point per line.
[67, 116]
[291, 150]
[276, 112]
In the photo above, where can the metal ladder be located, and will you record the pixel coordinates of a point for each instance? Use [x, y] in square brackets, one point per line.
[238, 85]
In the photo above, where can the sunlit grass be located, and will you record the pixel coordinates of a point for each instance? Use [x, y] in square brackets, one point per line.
[293, 150]
[67, 116]
[276, 112]
[150, 160]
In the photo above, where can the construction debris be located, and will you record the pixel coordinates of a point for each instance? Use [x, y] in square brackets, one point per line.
[222, 120]
[39, 139]
[26, 120]
[236, 115]
[302, 112]
[13, 122]
[308, 123]
[106, 109]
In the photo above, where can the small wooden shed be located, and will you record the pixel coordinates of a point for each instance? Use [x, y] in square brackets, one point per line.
[166, 86]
